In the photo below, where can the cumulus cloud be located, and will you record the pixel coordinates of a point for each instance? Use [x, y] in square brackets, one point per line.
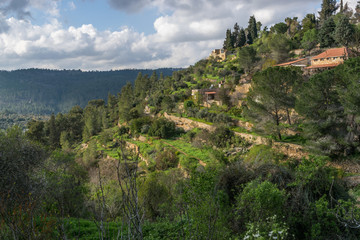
[17, 6]
[185, 32]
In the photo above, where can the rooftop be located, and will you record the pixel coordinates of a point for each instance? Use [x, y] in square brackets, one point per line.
[333, 52]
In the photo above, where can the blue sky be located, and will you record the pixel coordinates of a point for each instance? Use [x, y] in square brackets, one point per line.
[118, 34]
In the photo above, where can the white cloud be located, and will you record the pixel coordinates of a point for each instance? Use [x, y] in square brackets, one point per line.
[185, 32]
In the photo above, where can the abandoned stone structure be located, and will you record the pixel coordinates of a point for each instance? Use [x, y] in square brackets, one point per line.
[207, 96]
[219, 54]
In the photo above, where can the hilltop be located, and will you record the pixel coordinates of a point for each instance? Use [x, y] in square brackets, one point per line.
[261, 142]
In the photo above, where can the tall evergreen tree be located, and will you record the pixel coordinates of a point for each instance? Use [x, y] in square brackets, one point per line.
[328, 8]
[228, 43]
[326, 33]
[309, 22]
[249, 39]
[235, 34]
[252, 28]
[270, 97]
[344, 31]
[241, 40]
[126, 102]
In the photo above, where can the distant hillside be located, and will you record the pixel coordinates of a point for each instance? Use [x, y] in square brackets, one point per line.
[50, 91]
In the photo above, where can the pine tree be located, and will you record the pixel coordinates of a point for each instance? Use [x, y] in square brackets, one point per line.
[326, 33]
[271, 96]
[249, 39]
[241, 40]
[328, 8]
[309, 22]
[235, 34]
[252, 28]
[344, 31]
[228, 43]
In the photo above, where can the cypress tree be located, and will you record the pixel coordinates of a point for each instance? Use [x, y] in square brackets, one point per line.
[235, 34]
[328, 8]
[344, 31]
[228, 43]
[326, 33]
[249, 38]
[252, 28]
[241, 40]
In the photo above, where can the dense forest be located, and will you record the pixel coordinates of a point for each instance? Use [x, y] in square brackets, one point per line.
[41, 91]
[158, 160]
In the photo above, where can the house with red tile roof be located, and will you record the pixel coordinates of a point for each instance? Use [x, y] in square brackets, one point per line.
[303, 62]
[330, 58]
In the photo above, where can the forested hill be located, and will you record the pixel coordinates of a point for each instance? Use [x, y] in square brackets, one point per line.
[40, 91]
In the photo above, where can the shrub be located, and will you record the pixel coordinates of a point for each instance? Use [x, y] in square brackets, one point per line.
[162, 128]
[166, 159]
[259, 201]
[137, 124]
[221, 137]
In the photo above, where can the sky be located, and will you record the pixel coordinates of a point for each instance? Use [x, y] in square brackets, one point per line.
[121, 34]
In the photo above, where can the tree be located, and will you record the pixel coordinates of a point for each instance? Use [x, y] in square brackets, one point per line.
[20, 188]
[241, 39]
[280, 47]
[309, 22]
[357, 12]
[162, 128]
[279, 28]
[309, 39]
[229, 41]
[344, 31]
[252, 28]
[126, 102]
[328, 8]
[270, 97]
[329, 104]
[247, 58]
[249, 39]
[235, 34]
[292, 26]
[326, 33]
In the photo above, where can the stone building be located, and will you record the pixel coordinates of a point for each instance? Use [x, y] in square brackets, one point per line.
[330, 58]
[219, 54]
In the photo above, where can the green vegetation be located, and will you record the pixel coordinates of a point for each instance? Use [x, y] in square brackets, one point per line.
[122, 169]
[41, 91]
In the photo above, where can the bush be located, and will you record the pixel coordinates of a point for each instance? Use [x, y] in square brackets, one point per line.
[259, 201]
[162, 128]
[137, 124]
[166, 159]
[221, 137]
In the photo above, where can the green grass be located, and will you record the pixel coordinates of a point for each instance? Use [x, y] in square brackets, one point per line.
[200, 120]
[203, 154]
[296, 139]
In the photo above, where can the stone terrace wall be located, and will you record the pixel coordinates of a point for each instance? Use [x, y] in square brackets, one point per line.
[289, 149]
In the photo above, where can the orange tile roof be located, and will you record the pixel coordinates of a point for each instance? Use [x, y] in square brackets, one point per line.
[333, 52]
[323, 66]
[289, 63]
[210, 92]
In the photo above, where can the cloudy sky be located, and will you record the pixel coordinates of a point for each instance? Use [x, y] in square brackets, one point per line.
[118, 34]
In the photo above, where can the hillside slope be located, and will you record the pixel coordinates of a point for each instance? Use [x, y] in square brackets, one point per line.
[41, 91]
